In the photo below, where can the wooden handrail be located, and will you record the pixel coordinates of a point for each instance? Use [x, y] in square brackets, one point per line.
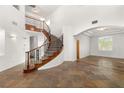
[33, 18]
[48, 36]
[43, 28]
[37, 48]
[38, 20]
[48, 27]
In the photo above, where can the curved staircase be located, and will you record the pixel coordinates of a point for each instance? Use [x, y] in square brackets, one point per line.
[42, 55]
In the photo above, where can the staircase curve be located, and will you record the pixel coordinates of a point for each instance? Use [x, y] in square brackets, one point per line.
[43, 54]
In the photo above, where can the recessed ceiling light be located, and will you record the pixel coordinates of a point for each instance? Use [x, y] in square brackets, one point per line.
[101, 29]
[13, 36]
[42, 19]
[48, 22]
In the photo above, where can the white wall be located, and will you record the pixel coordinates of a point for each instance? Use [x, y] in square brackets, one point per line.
[55, 62]
[27, 43]
[33, 42]
[69, 44]
[14, 48]
[79, 18]
[2, 42]
[41, 39]
[84, 45]
[117, 50]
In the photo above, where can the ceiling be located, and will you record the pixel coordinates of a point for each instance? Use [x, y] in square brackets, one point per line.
[103, 30]
[41, 10]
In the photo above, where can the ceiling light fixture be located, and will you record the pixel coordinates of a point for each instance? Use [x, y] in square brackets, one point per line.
[42, 19]
[13, 36]
[101, 29]
[48, 22]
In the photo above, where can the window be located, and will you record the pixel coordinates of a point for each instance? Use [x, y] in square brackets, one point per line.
[105, 43]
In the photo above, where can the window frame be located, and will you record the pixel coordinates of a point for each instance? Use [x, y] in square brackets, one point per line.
[105, 49]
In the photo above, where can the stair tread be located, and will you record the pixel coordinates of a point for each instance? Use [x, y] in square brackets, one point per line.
[53, 50]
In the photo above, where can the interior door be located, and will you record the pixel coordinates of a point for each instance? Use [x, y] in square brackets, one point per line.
[78, 49]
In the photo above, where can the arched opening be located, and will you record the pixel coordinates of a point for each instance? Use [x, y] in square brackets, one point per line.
[106, 41]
